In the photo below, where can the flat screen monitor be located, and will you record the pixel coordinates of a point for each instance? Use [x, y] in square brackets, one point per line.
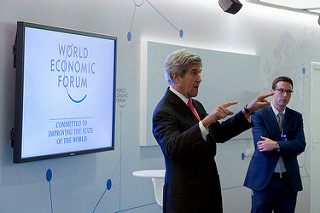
[65, 92]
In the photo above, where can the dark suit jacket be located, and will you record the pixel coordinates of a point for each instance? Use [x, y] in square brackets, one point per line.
[262, 164]
[191, 181]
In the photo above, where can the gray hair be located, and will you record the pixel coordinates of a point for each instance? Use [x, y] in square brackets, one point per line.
[178, 62]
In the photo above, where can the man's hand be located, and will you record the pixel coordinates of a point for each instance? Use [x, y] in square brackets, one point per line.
[259, 102]
[267, 144]
[219, 113]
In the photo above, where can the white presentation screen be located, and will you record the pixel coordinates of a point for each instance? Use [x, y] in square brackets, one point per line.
[65, 92]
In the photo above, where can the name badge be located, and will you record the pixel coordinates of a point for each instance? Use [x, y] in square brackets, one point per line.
[284, 137]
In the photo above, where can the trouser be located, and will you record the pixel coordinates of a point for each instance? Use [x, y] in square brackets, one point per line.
[278, 196]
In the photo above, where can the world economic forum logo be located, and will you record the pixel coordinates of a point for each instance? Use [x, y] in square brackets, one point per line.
[73, 68]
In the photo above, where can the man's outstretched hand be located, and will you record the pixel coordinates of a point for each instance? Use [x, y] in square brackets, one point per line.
[219, 113]
[259, 102]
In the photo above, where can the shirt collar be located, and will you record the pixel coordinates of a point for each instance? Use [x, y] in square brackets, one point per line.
[275, 111]
[182, 97]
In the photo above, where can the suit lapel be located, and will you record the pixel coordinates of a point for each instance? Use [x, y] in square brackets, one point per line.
[271, 122]
[287, 119]
[180, 106]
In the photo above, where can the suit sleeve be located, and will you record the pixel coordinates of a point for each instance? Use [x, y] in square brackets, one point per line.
[225, 130]
[259, 129]
[230, 128]
[295, 143]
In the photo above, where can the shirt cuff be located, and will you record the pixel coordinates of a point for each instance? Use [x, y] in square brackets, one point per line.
[204, 131]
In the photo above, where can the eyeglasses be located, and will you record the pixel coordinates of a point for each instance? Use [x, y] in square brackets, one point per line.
[281, 91]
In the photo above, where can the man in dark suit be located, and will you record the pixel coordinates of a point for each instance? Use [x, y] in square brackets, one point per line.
[188, 135]
[273, 173]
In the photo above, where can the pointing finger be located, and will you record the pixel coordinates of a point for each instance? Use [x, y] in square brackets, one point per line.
[229, 104]
[265, 96]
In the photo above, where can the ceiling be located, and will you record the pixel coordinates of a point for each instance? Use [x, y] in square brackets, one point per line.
[308, 6]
